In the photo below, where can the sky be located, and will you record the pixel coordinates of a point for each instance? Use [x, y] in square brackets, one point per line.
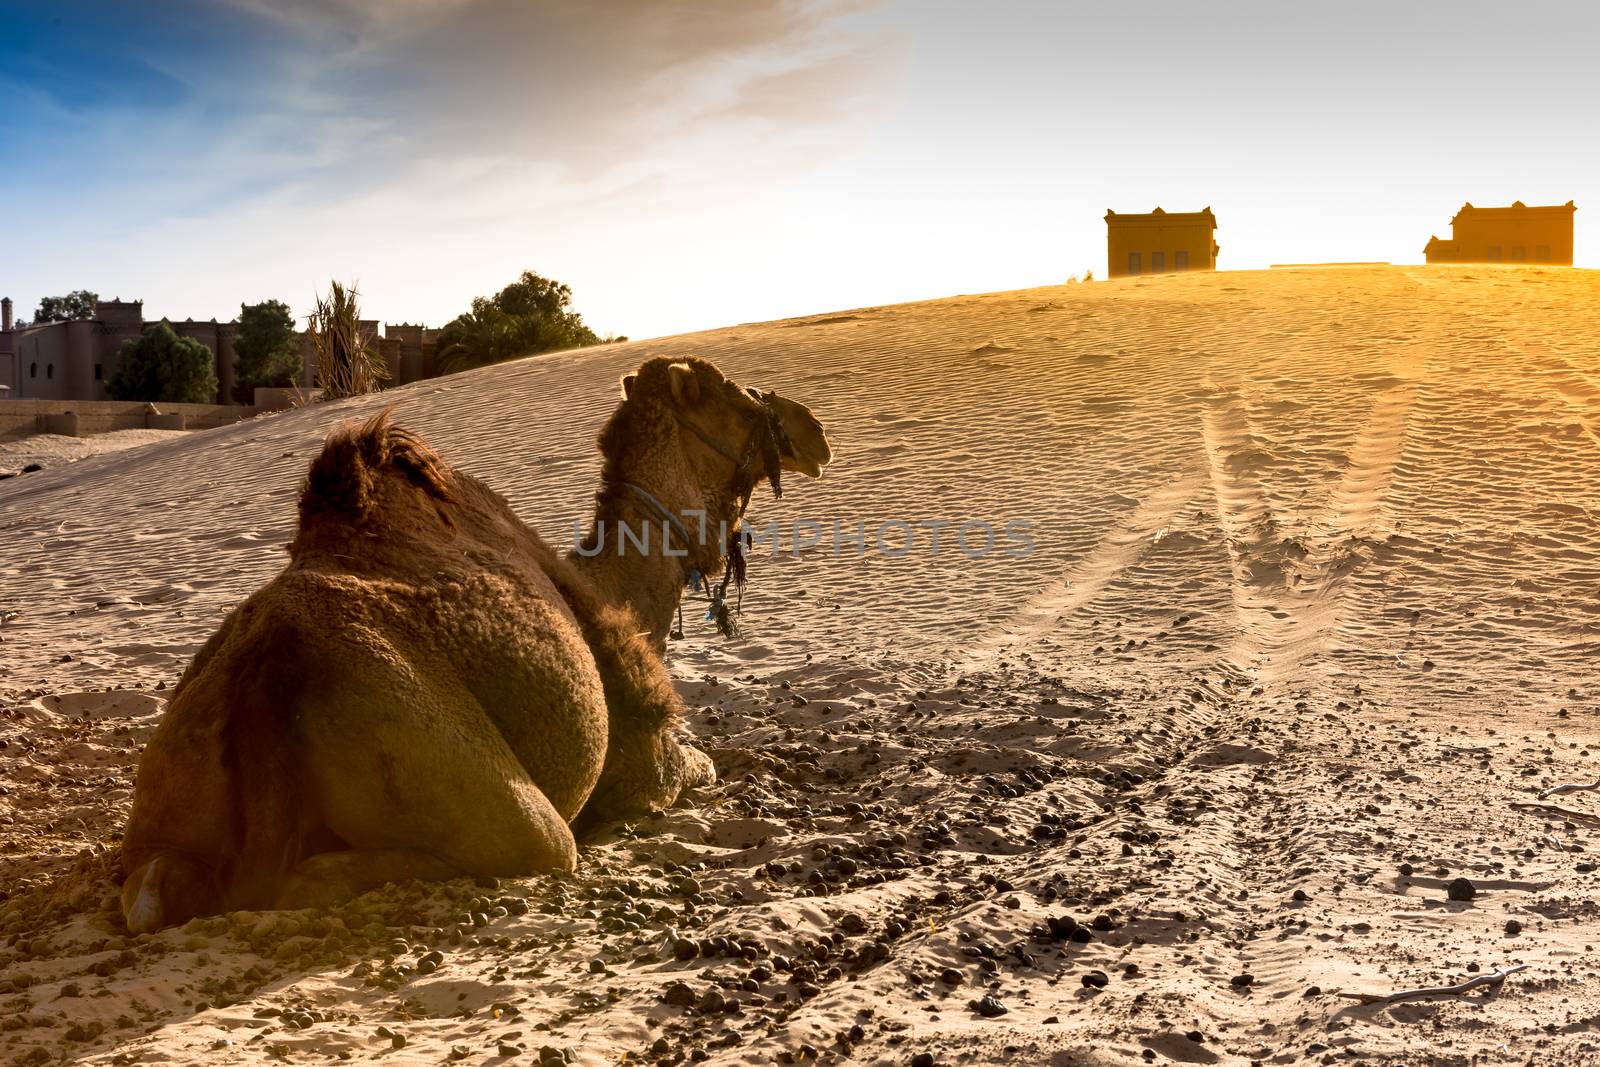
[688, 164]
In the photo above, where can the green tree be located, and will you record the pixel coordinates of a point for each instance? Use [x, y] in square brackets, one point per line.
[482, 336]
[266, 352]
[533, 314]
[161, 366]
[75, 306]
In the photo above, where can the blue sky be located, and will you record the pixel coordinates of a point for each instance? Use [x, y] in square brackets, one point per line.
[692, 163]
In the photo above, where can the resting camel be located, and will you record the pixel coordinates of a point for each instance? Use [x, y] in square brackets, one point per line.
[428, 690]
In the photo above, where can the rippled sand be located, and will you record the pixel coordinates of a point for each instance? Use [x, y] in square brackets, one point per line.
[1312, 599]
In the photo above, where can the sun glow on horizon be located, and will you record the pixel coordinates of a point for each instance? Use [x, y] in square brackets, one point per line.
[685, 166]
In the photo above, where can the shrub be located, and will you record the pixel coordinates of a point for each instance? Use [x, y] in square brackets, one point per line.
[533, 314]
[266, 352]
[161, 366]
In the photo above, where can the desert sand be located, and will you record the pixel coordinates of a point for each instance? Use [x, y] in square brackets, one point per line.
[1310, 622]
[20, 452]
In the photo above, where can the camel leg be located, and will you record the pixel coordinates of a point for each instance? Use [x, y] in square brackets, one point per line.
[164, 889]
[421, 788]
[330, 877]
[698, 770]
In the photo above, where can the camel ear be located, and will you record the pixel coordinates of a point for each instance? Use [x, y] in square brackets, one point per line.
[627, 385]
[685, 386]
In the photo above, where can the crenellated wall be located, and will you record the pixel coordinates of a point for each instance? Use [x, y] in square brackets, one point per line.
[75, 360]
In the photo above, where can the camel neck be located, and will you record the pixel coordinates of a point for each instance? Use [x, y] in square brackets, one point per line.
[635, 553]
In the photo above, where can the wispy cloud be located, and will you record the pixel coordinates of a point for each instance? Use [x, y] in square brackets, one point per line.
[582, 84]
[460, 122]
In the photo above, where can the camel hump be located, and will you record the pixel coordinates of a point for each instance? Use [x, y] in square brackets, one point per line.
[344, 479]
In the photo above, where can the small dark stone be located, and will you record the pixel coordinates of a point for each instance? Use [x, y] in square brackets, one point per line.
[1406, 870]
[951, 976]
[684, 949]
[679, 994]
[1513, 928]
[1095, 980]
[991, 1007]
[1301, 895]
[1242, 981]
[922, 1059]
[597, 966]
[1461, 889]
[1061, 926]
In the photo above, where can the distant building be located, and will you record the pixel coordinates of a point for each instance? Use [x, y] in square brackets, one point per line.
[1515, 234]
[1160, 242]
[8, 349]
[75, 360]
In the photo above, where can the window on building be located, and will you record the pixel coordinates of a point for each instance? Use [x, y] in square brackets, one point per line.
[1134, 264]
[1494, 255]
[49, 370]
[1180, 261]
[97, 372]
[33, 370]
[1158, 262]
[1541, 253]
[1519, 253]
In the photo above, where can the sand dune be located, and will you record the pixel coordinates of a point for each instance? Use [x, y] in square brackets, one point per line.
[1313, 598]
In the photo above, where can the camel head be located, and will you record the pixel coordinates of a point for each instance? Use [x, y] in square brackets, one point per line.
[732, 435]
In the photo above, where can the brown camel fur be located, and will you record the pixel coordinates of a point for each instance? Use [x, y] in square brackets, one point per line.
[426, 691]
[660, 438]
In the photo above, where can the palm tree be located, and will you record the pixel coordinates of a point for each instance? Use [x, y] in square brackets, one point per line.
[347, 364]
[483, 336]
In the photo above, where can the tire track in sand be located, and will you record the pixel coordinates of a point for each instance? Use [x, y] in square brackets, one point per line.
[1088, 577]
[1288, 587]
[1248, 524]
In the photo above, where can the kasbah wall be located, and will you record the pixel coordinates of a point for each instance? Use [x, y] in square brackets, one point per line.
[75, 360]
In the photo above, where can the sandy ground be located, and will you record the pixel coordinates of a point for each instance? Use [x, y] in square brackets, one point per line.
[1311, 608]
[40, 450]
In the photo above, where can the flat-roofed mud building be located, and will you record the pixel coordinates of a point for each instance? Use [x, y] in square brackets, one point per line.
[1515, 234]
[1160, 242]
